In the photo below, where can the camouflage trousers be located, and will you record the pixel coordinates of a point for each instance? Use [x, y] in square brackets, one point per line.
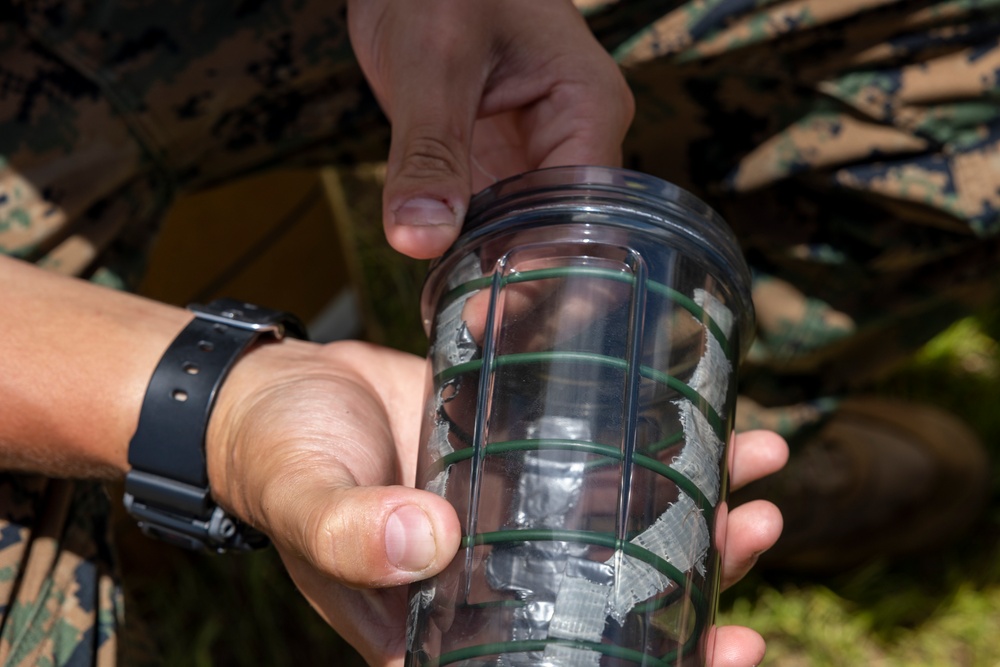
[60, 600]
[854, 146]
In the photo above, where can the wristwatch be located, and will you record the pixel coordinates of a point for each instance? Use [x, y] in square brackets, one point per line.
[167, 488]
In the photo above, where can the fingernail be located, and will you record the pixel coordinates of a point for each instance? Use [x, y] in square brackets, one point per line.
[409, 539]
[425, 212]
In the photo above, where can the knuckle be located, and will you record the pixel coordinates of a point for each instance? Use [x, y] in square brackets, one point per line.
[325, 535]
[427, 155]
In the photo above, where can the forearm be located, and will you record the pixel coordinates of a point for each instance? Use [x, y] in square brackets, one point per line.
[75, 360]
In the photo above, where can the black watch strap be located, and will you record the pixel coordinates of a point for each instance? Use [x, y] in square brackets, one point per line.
[167, 488]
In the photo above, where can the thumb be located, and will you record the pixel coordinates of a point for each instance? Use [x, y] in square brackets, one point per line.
[382, 536]
[426, 190]
[433, 108]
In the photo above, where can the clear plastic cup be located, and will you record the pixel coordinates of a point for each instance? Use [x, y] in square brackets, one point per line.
[585, 334]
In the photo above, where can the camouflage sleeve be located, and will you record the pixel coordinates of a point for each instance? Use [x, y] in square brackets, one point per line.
[106, 115]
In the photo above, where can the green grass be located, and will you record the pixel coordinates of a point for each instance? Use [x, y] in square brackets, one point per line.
[939, 608]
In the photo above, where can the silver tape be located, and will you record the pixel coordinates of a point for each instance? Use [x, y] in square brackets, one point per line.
[680, 535]
[569, 656]
[580, 608]
[702, 452]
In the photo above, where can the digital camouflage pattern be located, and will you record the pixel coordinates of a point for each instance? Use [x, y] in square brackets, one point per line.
[136, 101]
[59, 600]
[854, 145]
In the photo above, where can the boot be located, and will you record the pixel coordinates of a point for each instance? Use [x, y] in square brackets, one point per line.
[880, 478]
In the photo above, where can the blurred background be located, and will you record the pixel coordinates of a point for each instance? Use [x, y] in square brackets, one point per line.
[310, 241]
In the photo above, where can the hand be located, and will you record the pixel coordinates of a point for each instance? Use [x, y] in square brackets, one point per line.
[751, 529]
[479, 91]
[316, 445]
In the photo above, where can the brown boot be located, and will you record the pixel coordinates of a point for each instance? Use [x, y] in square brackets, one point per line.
[880, 479]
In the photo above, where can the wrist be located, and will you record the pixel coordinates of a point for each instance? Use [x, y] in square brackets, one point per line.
[167, 488]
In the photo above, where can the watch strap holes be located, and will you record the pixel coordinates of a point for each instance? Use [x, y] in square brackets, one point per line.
[179, 395]
[190, 368]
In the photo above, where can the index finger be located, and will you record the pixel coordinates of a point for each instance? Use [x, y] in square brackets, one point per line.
[756, 454]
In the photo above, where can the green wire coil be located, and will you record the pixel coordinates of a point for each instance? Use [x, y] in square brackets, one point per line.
[609, 453]
[520, 358]
[686, 302]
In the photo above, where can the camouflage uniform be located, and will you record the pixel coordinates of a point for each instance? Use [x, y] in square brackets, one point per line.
[853, 144]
